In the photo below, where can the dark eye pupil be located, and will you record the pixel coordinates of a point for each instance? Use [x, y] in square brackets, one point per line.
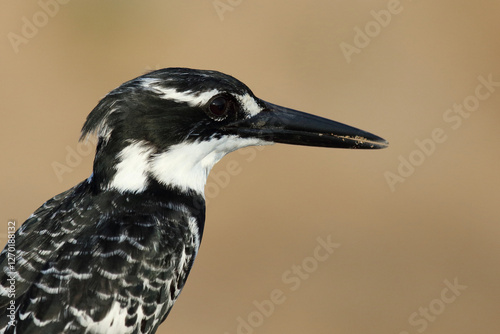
[218, 107]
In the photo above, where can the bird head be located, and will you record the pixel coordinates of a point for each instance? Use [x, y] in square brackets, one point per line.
[170, 126]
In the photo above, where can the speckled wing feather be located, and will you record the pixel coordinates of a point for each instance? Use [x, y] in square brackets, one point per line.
[100, 263]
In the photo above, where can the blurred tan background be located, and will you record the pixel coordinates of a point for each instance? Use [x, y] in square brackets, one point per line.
[419, 253]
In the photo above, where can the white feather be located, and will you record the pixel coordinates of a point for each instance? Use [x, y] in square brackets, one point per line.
[131, 171]
[193, 227]
[191, 98]
[187, 165]
[112, 323]
[249, 104]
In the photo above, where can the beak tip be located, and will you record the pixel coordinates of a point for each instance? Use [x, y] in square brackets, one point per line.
[381, 144]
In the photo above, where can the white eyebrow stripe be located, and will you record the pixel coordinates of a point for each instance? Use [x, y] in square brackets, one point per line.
[193, 99]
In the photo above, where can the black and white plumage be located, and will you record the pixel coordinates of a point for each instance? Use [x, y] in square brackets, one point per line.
[112, 254]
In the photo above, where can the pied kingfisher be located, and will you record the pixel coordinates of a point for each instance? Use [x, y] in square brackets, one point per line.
[112, 254]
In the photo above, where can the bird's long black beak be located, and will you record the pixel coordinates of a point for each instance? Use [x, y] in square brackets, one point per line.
[282, 125]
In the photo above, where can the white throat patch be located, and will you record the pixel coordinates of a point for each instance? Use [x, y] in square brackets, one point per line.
[184, 165]
[187, 165]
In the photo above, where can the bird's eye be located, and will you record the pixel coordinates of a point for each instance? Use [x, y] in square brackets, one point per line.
[219, 107]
